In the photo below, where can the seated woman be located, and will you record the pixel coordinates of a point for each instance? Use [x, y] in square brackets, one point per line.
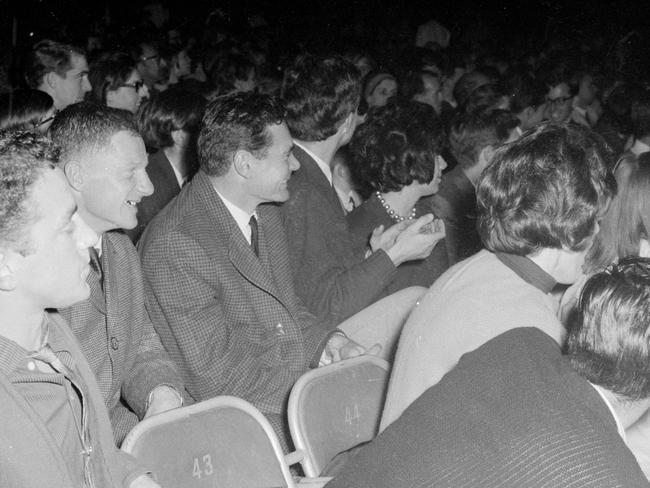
[31, 110]
[624, 231]
[169, 125]
[396, 156]
[538, 205]
[116, 82]
[624, 228]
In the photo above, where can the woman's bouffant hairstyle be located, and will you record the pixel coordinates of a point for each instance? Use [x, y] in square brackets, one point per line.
[108, 73]
[609, 343]
[545, 190]
[173, 109]
[627, 219]
[396, 146]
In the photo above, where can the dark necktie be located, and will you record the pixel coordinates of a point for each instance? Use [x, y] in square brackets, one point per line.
[96, 281]
[96, 265]
[254, 239]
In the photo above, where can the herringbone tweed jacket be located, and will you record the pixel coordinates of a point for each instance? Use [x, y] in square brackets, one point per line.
[120, 343]
[231, 321]
[329, 270]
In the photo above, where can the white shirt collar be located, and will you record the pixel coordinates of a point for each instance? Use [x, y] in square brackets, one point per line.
[179, 177]
[639, 147]
[98, 244]
[619, 425]
[346, 199]
[325, 168]
[242, 218]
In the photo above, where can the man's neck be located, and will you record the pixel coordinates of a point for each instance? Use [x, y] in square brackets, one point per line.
[21, 322]
[473, 174]
[325, 150]
[232, 191]
[627, 411]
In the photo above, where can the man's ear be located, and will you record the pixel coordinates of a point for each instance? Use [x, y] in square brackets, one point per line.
[242, 162]
[7, 274]
[74, 174]
[51, 80]
[485, 156]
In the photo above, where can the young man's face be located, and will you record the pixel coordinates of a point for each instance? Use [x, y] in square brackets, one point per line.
[51, 272]
[558, 103]
[72, 87]
[113, 183]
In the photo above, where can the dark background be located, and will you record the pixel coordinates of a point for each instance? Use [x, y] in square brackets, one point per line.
[316, 19]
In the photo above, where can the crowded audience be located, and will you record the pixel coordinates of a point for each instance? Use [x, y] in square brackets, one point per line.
[193, 208]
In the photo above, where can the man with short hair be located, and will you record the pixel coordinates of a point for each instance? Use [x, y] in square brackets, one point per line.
[473, 138]
[333, 279]
[104, 160]
[516, 412]
[538, 201]
[217, 272]
[55, 428]
[149, 63]
[59, 70]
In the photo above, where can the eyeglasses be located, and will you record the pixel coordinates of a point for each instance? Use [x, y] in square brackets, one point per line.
[558, 101]
[136, 85]
[46, 120]
[153, 56]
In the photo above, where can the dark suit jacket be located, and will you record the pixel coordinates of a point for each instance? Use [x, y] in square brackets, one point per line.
[330, 272]
[165, 188]
[455, 203]
[422, 272]
[512, 414]
[230, 320]
[120, 343]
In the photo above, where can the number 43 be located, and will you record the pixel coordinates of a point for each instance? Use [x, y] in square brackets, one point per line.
[202, 466]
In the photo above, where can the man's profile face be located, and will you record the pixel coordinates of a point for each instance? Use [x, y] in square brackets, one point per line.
[72, 87]
[272, 172]
[52, 270]
[114, 182]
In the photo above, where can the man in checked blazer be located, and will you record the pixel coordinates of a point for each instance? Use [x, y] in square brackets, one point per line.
[216, 266]
[104, 161]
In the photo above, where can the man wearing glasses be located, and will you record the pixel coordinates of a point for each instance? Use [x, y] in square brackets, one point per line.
[149, 64]
[59, 70]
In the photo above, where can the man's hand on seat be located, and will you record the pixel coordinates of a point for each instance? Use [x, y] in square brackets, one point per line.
[340, 347]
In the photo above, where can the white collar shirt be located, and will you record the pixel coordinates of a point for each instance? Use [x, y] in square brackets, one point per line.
[242, 218]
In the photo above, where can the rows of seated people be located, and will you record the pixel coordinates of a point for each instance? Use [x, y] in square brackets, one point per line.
[174, 228]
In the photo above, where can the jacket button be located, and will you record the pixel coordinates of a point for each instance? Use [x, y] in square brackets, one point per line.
[115, 344]
[279, 329]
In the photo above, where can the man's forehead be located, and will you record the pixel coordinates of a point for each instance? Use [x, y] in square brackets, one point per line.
[128, 143]
[280, 136]
[78, 62]
[559, 90]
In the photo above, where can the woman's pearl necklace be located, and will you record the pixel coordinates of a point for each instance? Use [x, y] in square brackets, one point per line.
[394, 215]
